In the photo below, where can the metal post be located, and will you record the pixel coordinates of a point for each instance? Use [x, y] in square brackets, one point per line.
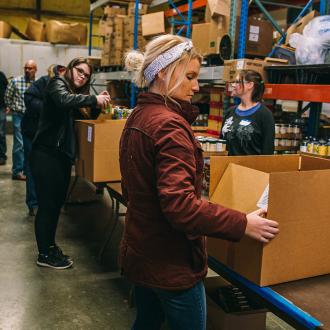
[242, 29]
[188, 34]
[90, 33]
[232, 26]
[314, 118]
[136, 33]
[269, 17]
[38, 9]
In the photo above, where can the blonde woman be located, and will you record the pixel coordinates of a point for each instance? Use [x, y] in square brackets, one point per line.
[163, 249]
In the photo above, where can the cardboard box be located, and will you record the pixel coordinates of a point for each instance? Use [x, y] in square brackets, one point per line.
[259, 37]
[36, 30]
[98, 140]
[299, 26]
[153, 24]
[232, 67]
[5, 29]
[143, 8]
[114, 10]
[299, 200]
[206, 37]
[94, 61]
[66, 33]
[219, 7]
[217, 318]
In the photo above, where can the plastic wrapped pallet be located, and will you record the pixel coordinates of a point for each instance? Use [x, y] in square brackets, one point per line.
[66, 33]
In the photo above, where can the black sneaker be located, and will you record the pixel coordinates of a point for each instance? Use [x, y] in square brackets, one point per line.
[58, 251]
[53, 261]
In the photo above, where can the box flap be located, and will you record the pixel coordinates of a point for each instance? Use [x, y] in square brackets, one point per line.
[314, 163]
[300, 202]
[272, 163]
[240, 188]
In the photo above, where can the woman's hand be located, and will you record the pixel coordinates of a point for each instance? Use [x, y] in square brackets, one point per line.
[259, 228]
[103, 99]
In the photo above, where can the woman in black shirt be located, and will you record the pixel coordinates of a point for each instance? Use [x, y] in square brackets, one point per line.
[249, 128]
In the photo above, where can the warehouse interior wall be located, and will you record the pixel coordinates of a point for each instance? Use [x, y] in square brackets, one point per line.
[17, 14]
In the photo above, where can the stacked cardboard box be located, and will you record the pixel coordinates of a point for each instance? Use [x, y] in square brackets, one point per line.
[118, 31]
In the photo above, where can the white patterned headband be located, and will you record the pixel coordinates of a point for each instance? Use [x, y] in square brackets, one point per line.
[163, 60]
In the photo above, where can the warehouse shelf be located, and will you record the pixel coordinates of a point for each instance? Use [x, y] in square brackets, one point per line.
[314, 155]
[213, 73]
[298, 92]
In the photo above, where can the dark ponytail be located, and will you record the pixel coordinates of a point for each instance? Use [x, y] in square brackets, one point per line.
[259, 85]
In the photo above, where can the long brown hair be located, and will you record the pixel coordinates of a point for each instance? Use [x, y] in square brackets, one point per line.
[69, 75]
[258, 83]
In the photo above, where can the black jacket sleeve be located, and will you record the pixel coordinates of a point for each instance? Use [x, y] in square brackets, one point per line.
[268, 132]
[34, 96]
[59, 92]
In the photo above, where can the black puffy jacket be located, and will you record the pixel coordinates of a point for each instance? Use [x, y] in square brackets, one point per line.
[60, 109]
[33, 99]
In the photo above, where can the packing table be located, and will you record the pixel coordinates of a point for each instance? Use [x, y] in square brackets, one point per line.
[290, 301]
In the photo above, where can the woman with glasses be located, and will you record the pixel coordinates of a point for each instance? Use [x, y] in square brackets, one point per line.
[249, 128]
[66, 99]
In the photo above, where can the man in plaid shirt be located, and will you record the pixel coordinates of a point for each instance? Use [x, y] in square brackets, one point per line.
[14, 100]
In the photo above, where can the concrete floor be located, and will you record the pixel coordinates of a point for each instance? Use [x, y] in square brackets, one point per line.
[91, 295]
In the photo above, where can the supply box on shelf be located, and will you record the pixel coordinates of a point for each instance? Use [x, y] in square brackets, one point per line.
[253, 318]
[98, 140]
[298, 199]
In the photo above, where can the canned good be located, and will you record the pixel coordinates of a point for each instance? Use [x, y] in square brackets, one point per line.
[213, 145]
[276, 142]
[288, 143]
[289, 129]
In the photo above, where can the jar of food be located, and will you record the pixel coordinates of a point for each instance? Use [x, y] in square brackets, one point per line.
[223, 145]
[288, 143]
[282, 142]
[289, 129]
[295, 143]
[296, 129]
[276, 142]
[316, 145]
[303, 146]
[310, 144]
[283, 129]
[323, 148]
[277, 128]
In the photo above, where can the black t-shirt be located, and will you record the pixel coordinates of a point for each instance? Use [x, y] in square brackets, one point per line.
[249, 132]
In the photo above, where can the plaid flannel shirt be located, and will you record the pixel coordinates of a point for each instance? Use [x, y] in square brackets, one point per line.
[14, 96]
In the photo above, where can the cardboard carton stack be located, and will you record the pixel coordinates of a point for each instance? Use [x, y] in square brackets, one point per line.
[118, 31]
[216, 111]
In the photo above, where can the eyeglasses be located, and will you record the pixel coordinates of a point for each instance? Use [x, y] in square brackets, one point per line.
[82, 73]
[238, 82]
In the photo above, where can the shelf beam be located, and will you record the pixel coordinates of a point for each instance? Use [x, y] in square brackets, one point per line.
[298, 92]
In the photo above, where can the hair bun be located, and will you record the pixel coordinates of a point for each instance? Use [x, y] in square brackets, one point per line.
[134, 60]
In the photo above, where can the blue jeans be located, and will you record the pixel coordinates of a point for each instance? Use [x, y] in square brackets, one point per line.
[31, 196]
[3, 144]
[183, 310]
[18, 151]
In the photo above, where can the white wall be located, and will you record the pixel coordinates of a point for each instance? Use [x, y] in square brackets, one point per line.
[14, 53]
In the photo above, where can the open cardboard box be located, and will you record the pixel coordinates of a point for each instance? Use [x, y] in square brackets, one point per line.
[98, 158]
[217, 318]
[299, 200]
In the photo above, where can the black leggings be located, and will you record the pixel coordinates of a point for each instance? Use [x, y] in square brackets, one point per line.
[51, 173]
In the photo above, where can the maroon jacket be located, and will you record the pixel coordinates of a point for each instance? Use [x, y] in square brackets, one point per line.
[161, 165]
